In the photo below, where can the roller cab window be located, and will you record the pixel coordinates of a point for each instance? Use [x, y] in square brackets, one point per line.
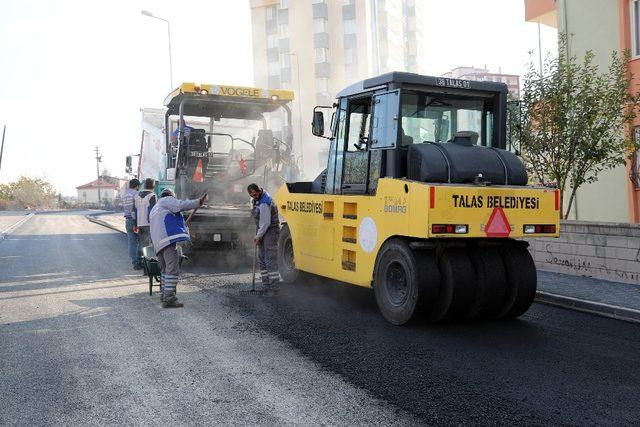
[430, 117]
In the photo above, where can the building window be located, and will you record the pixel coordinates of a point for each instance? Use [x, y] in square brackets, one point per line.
[349, 26]
[285, 60]
[284, 4]
[350, 56]
[318, 1]
[273, 69]
[394, 38]
[284, 31]
[635, 28]
[319, 25]
[272, 41]
[271, 13]
[322, 54]
[322, 85]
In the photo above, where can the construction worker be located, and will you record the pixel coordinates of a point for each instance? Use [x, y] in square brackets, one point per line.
[168, 228]
[127, 206]
[144, 201]
[265, 214]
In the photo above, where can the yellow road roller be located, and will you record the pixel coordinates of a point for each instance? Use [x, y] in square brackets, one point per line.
[421, 200]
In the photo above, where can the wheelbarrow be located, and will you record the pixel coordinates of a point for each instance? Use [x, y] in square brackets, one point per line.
[151, 267]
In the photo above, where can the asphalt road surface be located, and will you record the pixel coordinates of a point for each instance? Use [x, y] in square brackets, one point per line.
[82, 342]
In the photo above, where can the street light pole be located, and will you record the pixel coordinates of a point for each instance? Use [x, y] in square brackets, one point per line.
[4, 130]
[98, 158]
[540, 50]
[151, 15]
[299, 106]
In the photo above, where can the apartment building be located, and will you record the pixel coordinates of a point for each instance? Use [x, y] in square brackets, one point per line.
[317, 47]
[483, 75]
[602, 26]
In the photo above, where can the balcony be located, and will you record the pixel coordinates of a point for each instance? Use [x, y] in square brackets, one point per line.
[323, 69]
[541, 12]
[284, 45]
[285, 75]
[348, 12]
[350, 41]
[320, 10]
[283, 16]
[321, 40]
[273, 55]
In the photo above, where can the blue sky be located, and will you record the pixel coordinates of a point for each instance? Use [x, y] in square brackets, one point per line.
[74, 74]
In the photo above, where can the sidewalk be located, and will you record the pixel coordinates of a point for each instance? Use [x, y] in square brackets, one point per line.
[602, 297]
[112, 220]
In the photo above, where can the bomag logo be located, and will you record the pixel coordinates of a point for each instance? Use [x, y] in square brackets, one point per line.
[248, 92]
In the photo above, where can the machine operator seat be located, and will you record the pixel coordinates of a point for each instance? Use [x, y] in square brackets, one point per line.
[465, 138]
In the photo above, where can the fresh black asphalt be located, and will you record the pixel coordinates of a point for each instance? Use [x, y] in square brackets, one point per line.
[81, 342]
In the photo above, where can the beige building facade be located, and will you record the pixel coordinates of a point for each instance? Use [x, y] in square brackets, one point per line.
[317, 47]
[601, 26]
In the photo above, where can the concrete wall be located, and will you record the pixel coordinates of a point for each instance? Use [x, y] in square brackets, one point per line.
[595, 25]
[609, 251]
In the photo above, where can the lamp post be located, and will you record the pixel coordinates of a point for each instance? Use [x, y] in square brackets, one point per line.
[295, 55]
[151, 15]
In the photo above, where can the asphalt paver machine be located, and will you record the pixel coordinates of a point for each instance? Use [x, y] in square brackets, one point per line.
[218, 140]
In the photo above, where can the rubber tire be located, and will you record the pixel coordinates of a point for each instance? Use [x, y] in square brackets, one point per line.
[458, 288]
[522, 281]
[491, 282]
[429, 281]
[288, 275]
[396, 251]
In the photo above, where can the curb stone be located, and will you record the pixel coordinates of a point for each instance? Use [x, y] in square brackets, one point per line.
[591, 307]
[95, 220]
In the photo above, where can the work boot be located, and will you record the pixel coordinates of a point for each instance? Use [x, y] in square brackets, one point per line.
[172, 302]
[271, 290]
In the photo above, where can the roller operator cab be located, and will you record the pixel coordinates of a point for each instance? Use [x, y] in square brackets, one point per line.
[420, 200]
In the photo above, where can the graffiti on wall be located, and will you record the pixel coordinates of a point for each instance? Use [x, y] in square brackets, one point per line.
[585, 267]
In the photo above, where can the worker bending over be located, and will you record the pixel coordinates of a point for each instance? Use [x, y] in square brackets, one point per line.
[265, 213]
[167, 229]
[144, 201]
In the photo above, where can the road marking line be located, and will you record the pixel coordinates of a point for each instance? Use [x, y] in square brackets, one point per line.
[14, 226]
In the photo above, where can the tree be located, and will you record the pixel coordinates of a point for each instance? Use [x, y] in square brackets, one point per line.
[28, 193]
[575, 120]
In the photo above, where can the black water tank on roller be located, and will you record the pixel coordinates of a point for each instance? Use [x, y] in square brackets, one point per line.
[460, 162]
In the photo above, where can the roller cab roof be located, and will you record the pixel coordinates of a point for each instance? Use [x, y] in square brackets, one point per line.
[234, 102]
[397, 79]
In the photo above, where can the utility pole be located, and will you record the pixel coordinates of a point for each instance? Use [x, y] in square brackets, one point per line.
[98, 159]
[4, 129]
[540, 50]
